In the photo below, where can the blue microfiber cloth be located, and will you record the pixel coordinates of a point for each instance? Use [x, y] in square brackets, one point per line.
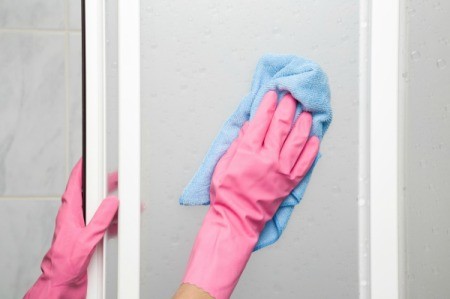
[308, 84]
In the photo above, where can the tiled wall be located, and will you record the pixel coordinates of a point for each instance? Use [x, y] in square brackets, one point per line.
[40, 129]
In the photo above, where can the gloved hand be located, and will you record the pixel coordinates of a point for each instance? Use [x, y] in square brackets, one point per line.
[64, 267]
[249, 183]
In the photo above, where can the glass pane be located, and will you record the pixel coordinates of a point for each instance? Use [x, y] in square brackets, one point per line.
[197, 63]
[427, 150]
[111, 245]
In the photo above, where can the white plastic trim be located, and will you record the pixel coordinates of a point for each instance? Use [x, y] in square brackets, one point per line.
[95, 132]
[385, 172]
[129, 149]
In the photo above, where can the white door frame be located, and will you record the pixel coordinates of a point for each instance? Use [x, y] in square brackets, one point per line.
[381, 116]
[129, 149]
[129, 142]
[94, 30]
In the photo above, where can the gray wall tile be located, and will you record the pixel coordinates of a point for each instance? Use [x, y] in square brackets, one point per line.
[74, 14]
[36, 14]
[26, 229]
[32, 96]
[75, 95]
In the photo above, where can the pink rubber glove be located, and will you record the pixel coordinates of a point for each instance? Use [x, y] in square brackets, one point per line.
[249, 183]
[64, 267]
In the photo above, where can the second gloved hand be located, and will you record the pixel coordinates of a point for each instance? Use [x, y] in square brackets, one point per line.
[64, 267]
[261, 167]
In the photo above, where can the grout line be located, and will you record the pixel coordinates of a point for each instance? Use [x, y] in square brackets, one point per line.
[41, 31]
[19, 198]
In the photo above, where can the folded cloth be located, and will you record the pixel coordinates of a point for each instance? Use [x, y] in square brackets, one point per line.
[308, 84]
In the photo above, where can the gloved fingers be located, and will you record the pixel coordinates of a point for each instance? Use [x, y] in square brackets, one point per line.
[258, 126]
[72, 199]
[306, 158]
[281, 123]
[103, 217]
[113, 181]
[295, 142]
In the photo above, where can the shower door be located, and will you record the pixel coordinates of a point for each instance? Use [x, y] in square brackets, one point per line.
[365, 227]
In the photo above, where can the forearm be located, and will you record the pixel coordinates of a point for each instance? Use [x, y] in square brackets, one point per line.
[189, 291]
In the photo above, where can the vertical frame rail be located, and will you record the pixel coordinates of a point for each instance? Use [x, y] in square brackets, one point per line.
[385, 150]
[129, 149]
[94, 50]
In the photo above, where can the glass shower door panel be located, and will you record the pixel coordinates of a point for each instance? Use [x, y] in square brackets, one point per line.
[197, 61]
[427, 150]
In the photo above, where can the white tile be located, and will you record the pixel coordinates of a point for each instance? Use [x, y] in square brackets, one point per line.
[32, 97]
[36, 14]
[26, 228]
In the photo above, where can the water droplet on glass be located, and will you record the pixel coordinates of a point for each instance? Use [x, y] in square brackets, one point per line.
[415, 55]
[435, 230]
[441, 64]
[411, 11]
[405, 76]
[444, 41]
[336, 189]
